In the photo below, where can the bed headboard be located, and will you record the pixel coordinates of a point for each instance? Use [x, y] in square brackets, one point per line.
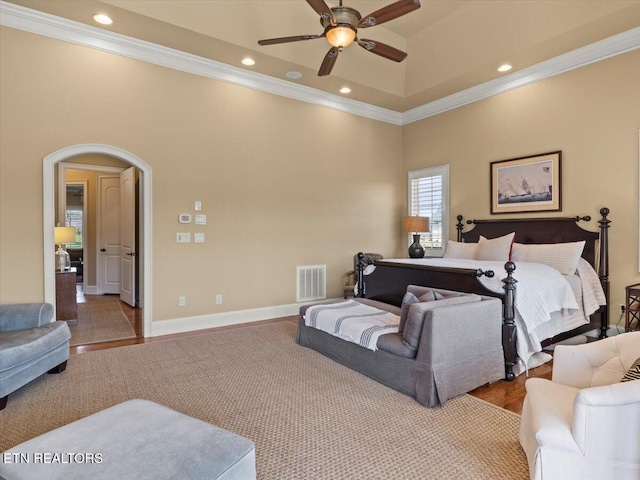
[548, 230]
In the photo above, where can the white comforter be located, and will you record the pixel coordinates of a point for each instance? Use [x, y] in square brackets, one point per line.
[545, 302]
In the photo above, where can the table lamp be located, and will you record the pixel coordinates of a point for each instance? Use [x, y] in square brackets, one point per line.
[414, 225]
[63, 236]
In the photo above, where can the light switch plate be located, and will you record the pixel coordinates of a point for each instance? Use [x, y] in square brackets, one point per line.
[184, 218]
[201, 219]
[197, 205]
[198, 237]
[183, 237]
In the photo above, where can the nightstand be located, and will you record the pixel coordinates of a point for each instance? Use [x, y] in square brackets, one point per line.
[632, 308]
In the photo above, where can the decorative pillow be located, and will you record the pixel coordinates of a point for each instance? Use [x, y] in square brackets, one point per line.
[466, 251]
[408, 300]
[633, 373]
[564, 257]
[416, 313]
[495, 249]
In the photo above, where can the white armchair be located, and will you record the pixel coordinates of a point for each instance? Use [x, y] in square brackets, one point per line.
[585, 424]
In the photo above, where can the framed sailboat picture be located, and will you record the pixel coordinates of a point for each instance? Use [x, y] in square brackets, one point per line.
[527, 184]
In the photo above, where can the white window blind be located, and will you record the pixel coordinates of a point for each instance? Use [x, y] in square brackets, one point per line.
[429, 197]
[74, 219]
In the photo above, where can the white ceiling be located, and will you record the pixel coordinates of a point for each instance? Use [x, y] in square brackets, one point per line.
[452, 44]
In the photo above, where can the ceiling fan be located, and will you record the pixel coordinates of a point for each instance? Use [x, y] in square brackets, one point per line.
[341, 26]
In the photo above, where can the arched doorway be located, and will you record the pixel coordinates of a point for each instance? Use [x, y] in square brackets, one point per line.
[66, 153]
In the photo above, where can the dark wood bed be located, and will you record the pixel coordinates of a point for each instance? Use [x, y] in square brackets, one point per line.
[388, 282]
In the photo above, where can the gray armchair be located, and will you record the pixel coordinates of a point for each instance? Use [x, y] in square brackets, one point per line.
[30, 345]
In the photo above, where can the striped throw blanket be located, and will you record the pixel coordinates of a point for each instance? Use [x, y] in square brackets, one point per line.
[352, 321]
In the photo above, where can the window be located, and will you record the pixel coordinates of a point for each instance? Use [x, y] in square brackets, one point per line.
[74, 219]
[429, 197]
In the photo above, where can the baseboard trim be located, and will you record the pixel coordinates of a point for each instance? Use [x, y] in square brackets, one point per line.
[91, 290]
[237, 317]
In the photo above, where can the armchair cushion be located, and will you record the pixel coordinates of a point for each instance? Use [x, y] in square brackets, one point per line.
[22, 346]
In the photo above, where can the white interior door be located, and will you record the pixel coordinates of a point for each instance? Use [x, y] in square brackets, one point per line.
[109, 234]
[128, 236]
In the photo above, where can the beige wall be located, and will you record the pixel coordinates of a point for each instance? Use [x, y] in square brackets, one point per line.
[592, 114]
[283, 183]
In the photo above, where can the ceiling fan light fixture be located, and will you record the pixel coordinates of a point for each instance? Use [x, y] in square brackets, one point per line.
[340, 36]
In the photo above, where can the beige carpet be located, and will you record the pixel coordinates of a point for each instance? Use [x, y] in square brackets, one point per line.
[100, 321]
[309, 417]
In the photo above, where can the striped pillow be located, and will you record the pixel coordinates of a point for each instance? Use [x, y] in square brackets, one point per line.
[564, 257]
[633, 373]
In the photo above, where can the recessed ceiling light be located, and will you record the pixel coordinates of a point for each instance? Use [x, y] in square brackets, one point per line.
[294, 75]
[248, 61]
[504, 68]
[345, 90]
[102, 19]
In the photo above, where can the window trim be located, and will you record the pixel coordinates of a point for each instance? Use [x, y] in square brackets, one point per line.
[442, 170]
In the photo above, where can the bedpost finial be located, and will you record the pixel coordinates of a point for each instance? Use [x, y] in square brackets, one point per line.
[604, 211]
[459, 217]
[360, 256]
[510, 268]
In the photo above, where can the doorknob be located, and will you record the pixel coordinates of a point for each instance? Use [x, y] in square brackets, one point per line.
[132, 254]
[103, 249]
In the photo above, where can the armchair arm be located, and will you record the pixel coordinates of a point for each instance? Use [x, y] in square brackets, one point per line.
[606, 421]
[21, 316]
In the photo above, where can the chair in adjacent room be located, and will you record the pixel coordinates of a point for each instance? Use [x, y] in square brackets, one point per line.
[31, 344]
[584, 423]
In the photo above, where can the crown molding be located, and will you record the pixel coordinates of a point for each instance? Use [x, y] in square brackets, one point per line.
[40, 23]
[609, 47]
[33, 21]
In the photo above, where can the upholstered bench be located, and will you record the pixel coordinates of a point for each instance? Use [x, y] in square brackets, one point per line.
[135, 439]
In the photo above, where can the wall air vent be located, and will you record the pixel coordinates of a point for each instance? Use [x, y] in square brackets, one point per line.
[312, 283]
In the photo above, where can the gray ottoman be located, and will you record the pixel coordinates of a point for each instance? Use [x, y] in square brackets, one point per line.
[135, 439]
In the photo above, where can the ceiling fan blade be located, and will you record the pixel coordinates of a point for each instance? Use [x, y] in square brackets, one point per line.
[297, 38]
[322, 9]
[394, 10]
[383, 50]
[328, 62]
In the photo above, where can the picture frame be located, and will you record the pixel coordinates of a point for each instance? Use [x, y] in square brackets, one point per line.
[527, 184]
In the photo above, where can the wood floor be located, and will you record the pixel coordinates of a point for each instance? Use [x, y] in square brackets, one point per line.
[507, 395]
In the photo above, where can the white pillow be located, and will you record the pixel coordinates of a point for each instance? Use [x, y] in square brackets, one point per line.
[463, 250]
[496, 249]
[564, 257]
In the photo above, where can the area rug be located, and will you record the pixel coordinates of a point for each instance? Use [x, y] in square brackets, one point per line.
[309, 417]
[100, 321]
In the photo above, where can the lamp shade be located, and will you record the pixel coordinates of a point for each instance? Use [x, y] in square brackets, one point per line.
[416, 224]
[65, 235]
[341, 37]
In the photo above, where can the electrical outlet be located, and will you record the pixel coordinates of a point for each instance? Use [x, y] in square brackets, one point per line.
[182, 301]
[218, 299]
[622, 307]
